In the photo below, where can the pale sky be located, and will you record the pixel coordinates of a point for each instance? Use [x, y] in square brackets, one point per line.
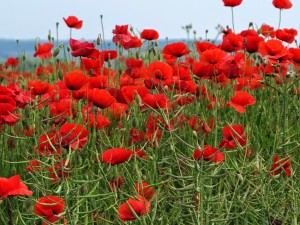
[29, 19]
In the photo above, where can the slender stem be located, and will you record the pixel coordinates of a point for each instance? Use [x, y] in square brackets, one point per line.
[70, 33]
[9, 213]
[232, 19]
[279, 18]
[284, 118]
[57, 24]
[102, 27]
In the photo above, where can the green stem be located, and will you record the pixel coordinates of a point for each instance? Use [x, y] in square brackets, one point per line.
[279, 18]
[9, 213]
[232, 19]
[102, 27]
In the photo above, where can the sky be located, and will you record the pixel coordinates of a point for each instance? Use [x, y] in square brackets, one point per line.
[30, 19]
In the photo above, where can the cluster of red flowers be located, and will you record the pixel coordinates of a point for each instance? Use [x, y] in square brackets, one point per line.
[94, 96]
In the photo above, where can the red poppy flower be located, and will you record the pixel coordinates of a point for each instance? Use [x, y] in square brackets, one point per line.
[233, 135]
[296, 55]
[149, 34]
[232, 3]
[130, 93]
[13, 62]
[98, 121]
[75, 80]
[274, 51]
[109, 54]
[240, 100]
[267, 30]
[84, 49]
[203, 46]
[61, 110]
[156, 101]
[100, 82]
[212, 56]
[33, 165]
[51, 208]
[13, 186]
[73, 135]
[140, 206]
[132, 42]
[282, 4]
[160, 70]
[21, 97]
[38, 87]
[117, 110]
[91, 64]
[278, 165]
[140, 153]
[134, 67]
[121, 29]
[59, 171]
[49, 144]
[252, 40]
[100, 98]
[232, 42]
[121, 33]
[209, 154]
[177, 49]
[44, 51]
[144, 189]
[116, 155]
[116, 182]
[231, 64]
[201, 69]
[73, 22]
[287, 35]
[7, 107]
[136, 136]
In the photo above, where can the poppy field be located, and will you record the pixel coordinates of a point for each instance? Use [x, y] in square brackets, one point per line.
[193, 132]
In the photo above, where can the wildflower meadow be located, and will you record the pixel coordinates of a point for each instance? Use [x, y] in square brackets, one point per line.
[193, 132]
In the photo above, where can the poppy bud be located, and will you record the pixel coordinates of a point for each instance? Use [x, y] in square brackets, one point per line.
[55, 52]
[24, 57]
[137, 54]
[98, 42]
[135, 122]
[154, 51]
[138, 99]
[59, 74]
[195, 133]
[108, 61]
[156, 43]
[131, 28]
[159, 57]
[49, 36]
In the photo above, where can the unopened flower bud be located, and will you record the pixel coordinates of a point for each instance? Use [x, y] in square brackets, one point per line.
[49, 36]
[131, 28]
[99, 40]
[59, 74]
[56, 52]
